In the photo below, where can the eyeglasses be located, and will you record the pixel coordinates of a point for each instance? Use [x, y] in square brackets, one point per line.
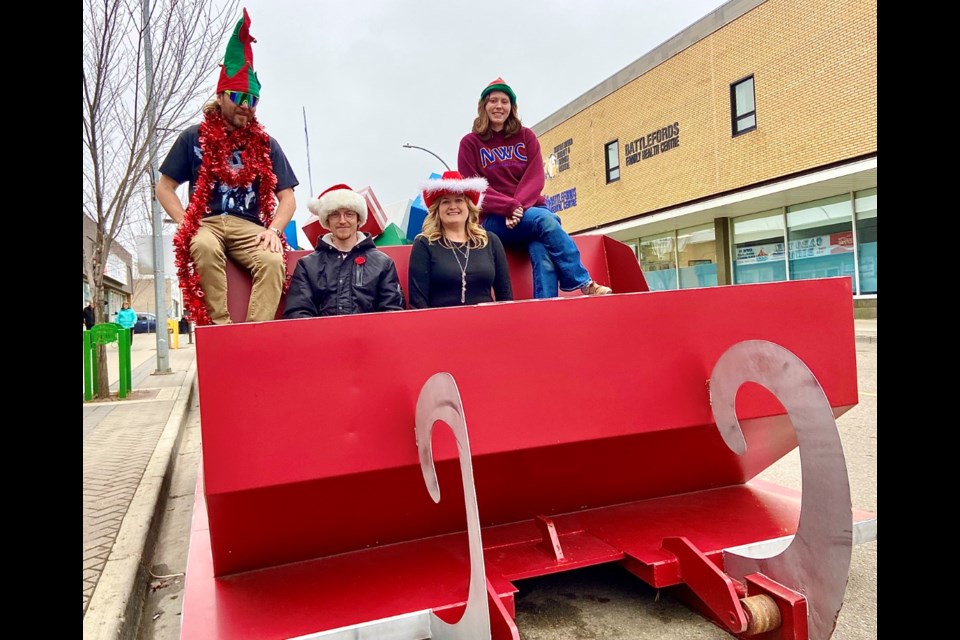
[239, 97]
[345, 215]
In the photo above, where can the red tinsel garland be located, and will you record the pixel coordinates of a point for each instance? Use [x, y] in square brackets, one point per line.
[218, 145]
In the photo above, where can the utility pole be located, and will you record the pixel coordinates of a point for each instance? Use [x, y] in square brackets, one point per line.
[163, 354]
[307, 137]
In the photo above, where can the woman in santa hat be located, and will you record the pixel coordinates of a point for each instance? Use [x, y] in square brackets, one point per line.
[507, 154]
[454, 261]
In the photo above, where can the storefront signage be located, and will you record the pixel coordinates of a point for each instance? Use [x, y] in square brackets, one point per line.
[562, 151]
[563, 200]
[559, 160]
[758, 253]
[652, 144]
[815, 247]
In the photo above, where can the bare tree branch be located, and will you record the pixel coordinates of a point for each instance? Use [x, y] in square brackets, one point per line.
[189, 38]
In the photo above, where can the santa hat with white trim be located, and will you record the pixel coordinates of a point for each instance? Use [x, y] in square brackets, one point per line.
[339, 196]
[453, 182]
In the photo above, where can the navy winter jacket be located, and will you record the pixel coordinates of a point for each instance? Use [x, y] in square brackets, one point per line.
[329, 282]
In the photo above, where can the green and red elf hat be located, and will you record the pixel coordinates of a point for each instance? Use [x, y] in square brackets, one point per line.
[498, 85]
[236, 72]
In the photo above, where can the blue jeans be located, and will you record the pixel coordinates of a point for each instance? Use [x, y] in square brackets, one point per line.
[553, 255]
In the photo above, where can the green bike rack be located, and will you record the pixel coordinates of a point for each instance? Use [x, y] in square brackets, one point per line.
[105, 333]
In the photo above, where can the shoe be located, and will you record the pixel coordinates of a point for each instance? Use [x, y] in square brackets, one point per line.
[594, 289]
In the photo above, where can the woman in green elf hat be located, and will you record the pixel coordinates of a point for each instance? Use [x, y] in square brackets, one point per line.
[507, 154]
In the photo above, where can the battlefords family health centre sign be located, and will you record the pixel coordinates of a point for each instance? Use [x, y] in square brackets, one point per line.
[652, 144]
[563, 200]
[815, 247]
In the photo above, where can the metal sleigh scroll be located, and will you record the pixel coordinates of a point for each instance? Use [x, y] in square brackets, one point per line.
[816, 563]
[439, 401]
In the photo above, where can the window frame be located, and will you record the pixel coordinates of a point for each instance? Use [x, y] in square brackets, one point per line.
[735, 117]
[606, 160]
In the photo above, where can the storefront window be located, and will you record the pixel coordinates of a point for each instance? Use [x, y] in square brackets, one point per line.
[820, 238]
[659, 262]
[758, 251]
[866, 205]
[697, 250]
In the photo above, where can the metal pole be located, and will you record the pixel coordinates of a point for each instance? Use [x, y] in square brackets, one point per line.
[411, 146]
[307, 138]
[163, 354]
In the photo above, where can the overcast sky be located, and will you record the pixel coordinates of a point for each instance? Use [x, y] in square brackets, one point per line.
[376, 74]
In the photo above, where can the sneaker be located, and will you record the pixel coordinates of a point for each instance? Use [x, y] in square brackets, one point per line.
[594, 289]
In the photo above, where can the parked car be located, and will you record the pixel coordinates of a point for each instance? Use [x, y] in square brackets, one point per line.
[146, 323]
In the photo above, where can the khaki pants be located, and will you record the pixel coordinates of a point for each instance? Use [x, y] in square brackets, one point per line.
[221, 236]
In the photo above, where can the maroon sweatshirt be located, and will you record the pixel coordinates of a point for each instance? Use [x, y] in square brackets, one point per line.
[513, 166]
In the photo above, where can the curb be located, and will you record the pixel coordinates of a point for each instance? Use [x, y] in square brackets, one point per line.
[116, 603]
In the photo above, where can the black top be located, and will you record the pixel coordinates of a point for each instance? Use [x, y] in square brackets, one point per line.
[88, 318]
[183, 163]
[435, 277]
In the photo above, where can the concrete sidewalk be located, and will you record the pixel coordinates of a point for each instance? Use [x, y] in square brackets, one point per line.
[129, 448]
[866, 330]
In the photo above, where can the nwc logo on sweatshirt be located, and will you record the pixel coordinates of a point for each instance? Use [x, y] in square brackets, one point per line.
[503, 153]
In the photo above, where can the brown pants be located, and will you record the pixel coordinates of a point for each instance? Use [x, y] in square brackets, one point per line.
[221, 236]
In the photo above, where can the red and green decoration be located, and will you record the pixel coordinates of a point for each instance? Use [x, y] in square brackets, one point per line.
[217, 145]
[236, 73]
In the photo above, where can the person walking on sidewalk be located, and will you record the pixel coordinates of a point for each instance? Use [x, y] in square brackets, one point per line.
[89, 316]
[127, 318]
[186, 325]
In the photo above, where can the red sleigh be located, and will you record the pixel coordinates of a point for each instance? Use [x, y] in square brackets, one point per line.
[333, 503]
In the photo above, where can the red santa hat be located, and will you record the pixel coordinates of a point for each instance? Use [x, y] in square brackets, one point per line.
[339, 196]
[453, 182]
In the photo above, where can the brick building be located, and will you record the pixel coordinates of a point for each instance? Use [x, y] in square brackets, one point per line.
[743, 149]
[118, 273]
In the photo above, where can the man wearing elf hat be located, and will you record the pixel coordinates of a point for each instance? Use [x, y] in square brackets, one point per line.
[241, 195]
[347, 273]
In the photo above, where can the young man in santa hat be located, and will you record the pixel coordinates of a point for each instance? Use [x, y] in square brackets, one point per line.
[241, 195]
[347, 273]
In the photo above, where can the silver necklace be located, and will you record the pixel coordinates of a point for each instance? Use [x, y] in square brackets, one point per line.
[463, 268]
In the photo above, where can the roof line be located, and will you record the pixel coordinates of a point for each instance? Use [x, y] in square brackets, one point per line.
[713, 21]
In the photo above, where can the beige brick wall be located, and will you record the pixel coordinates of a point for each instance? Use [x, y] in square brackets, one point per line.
[815, 73]
[145, 297]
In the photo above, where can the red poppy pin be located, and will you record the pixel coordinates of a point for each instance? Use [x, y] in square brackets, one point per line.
[359, 259]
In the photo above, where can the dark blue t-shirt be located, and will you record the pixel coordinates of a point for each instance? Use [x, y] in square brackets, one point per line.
[183, 164]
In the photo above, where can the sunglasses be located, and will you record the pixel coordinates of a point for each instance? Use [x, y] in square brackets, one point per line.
[239, 97]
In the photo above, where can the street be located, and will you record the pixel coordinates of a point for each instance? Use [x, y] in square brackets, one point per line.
[600, 602]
